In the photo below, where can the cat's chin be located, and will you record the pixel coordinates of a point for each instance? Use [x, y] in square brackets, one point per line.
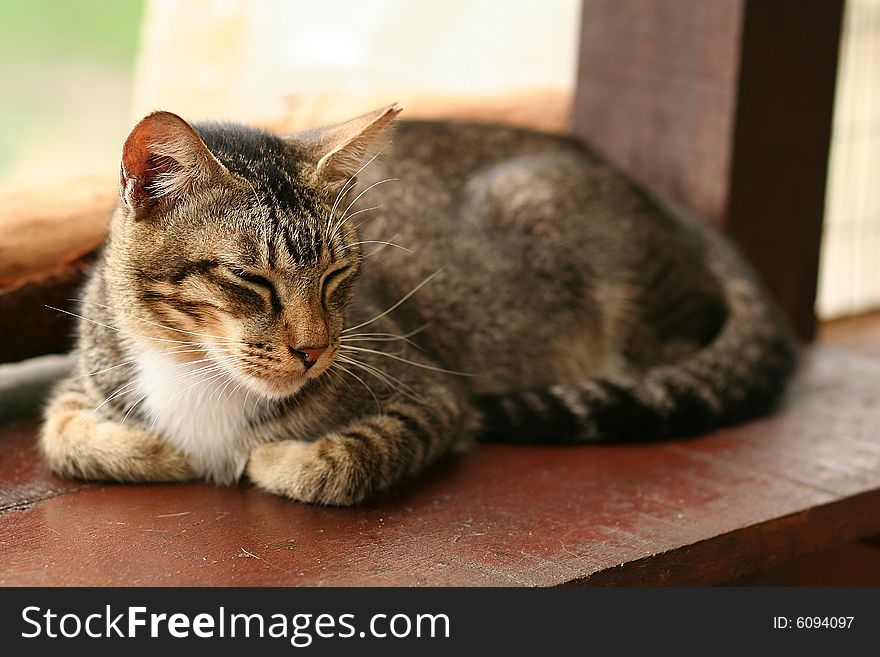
[274, 387]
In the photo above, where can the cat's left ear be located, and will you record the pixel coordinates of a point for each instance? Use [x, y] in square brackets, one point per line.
[162, 160]
[341, 150]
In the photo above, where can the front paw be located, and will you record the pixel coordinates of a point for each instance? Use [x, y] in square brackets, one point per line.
[79, 444]
[317, 473]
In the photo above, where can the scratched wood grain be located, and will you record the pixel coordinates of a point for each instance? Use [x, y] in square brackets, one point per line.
[23, 479]
[695, 511]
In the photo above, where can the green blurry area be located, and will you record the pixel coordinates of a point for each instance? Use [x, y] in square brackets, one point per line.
[65, 83]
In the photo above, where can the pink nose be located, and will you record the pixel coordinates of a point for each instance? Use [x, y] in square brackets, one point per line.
[308, 355]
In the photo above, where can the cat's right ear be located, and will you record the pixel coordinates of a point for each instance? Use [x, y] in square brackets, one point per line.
[339, 151]
[162, 160]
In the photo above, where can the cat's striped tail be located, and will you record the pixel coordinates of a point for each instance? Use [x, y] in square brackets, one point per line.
[739, 375]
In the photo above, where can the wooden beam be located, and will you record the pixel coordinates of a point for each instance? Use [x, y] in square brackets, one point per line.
[724, 107]
[47, 224]
[49, 234]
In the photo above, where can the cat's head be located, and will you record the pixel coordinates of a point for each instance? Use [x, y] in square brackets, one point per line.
[232, 245]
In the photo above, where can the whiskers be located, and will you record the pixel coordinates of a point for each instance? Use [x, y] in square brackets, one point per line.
[197, 343]
[383, 243]
[337, 223]
[337, 364]
[351, 355]
[194, 374]
[209, 358]
[396, 305]
[351, 348]
[385, 337]
[337, 220]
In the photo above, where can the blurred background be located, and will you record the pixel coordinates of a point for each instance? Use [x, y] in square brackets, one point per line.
[67, 75]
[84, 71]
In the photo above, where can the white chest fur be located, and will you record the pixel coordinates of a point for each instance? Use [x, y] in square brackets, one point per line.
[200, 411]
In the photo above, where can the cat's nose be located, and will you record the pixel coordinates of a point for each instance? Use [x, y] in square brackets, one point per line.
[308, 355]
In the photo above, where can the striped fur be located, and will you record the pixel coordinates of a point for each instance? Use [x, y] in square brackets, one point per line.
[328, 322]
[737, 376]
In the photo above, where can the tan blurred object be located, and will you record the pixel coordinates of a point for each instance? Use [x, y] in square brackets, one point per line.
[544, 109]
[49, 232]
[44, 225]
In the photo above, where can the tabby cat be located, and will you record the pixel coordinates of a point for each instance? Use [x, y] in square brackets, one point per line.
[329, 322]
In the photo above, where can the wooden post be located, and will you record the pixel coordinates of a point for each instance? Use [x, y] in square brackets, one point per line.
[725, 107]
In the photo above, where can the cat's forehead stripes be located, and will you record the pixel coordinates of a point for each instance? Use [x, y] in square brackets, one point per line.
[287, 234]
[288, 226]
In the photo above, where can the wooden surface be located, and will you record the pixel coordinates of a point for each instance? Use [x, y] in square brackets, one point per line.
[697, 511]
[856, 564]
[46, 225]
[724, 108]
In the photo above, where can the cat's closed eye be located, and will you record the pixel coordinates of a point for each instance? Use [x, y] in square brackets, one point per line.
[259, 281]
[333, 278]
[254, 279]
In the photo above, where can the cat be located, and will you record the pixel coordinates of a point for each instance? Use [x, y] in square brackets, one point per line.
[329, 312]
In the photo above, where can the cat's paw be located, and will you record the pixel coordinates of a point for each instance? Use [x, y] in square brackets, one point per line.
[79, 444]
[317, 473]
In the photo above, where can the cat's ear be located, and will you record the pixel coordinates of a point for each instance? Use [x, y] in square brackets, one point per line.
[342, 149]
[163, 159]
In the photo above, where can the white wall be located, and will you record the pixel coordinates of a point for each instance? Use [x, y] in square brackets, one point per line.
[849, 279]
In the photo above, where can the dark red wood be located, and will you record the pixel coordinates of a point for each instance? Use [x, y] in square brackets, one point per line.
[857, 564]
[23, 479]
[776, 542]
[29, 328]
[694, 511]
[724, 108]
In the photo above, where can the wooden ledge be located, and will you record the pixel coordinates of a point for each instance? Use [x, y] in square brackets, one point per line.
[697, 511]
